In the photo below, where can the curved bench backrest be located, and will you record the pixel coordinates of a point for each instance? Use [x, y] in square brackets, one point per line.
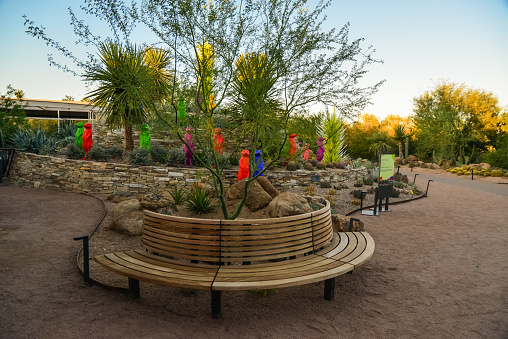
[237, 241]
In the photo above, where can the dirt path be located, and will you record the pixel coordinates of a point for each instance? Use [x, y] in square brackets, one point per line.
[439, 270]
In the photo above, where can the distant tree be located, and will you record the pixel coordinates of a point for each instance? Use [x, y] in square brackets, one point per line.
[399, 136]
[453, 121]
[68, 98]
[12, 114]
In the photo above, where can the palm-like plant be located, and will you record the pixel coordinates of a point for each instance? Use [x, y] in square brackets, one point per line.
[399, 137]
[333, 130]
[128, 85]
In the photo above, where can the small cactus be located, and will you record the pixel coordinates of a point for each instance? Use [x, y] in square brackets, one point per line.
[330, 199]
[357, 194]
[321, 166]
[368, 181]
[329, 165]
[310, 190]
[308, 167]
[291, 166]
[314, 162]
[358, 183]
[356, 202]
[332, 192]
[325, 184]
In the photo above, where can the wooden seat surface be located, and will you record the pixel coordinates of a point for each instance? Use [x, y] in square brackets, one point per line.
[240, 254]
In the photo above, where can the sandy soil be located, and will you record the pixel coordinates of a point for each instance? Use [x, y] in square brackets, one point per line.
[439, 270]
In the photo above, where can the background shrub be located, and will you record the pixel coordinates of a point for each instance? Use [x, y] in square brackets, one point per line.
[175, 156]
[139, 157]
[98, 153]
[114, 151]
[159, 154]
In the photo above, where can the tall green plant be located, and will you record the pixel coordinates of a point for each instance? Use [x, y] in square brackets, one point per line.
[333, 129]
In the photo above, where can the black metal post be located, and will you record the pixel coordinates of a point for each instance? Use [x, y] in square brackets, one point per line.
[375, 200]
[86, 258]
[472, 174]
[330, 289]
[134, 288]
[361, 200]
[398, 169]
[426, 191]
[414, 179]
[216, 304]
[351, 223]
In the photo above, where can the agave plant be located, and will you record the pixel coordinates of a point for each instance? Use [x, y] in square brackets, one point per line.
[333, 130]
[27, 140]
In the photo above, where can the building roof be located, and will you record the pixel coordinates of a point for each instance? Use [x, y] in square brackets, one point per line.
[54, 109]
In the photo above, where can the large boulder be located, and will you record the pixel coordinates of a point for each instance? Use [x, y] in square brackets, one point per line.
[155, 201]
[340, 223]
[127, 218]
[119, 196]
[258, 196]
[287, 204]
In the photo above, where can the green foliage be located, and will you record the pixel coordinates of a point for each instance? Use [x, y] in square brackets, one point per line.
[368, 181]
[26, 140]
[72, 151]
[198, 201]
[12, 114]
[357, 142]
[114, 151]
[67, 130]
[98, 153]
[333, 130]
[498, 157]
[176, 156]
[128, 85]
[139, 157]
[159, 154]
[306, 127]
[452, 121]
[178, 195]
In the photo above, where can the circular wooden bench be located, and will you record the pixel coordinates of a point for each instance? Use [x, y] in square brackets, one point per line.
[241, 254]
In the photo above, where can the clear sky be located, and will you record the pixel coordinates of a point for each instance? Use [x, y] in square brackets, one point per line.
[420, 41]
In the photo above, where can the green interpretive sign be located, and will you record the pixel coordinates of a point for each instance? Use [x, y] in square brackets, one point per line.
[386, 167]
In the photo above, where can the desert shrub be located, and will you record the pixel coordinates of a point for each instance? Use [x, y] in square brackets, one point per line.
[340, 186]
[310, 190]
[48, 150]
[332, 191]
[114, 151]
[72, 151]
[368, 164]
[139, 157]
[496, 173]
[330, 200]
[395, 193]
[356, 202]
[175, 156]
[357, 194]
[399, 184]
[325, 184]
[198, 201]
[368, 181]
[98, 153]
[158, 154]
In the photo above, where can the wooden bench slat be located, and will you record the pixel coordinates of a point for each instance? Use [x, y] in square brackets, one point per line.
[367, 253]
[359, 248]
[219, 284]
[339, 252]
[177, 280]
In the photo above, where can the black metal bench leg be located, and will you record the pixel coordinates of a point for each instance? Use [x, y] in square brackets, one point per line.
[216, 304]
[330, 289]
[134, 288]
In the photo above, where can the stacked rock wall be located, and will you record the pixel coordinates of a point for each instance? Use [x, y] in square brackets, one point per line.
[91, 177]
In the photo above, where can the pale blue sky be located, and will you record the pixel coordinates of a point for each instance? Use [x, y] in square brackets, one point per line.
[421, 42]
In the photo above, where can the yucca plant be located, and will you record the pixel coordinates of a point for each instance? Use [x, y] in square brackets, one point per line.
[333, 130]
[178, 195]
[198, 201]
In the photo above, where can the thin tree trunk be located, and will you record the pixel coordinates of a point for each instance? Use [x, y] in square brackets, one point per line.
[129, 140]
[401, 155]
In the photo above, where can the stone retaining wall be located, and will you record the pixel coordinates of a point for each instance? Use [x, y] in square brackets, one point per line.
[91, 177]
